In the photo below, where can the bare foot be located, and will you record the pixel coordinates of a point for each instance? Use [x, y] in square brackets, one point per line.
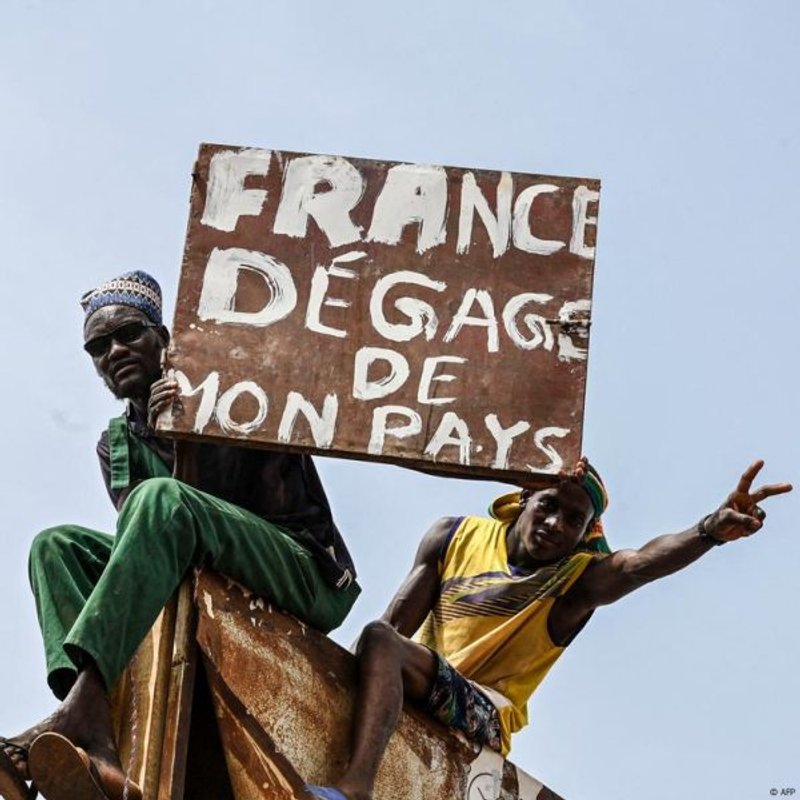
[85, 719]
[16, 747]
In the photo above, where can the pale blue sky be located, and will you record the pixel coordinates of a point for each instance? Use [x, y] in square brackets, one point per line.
[687, 112]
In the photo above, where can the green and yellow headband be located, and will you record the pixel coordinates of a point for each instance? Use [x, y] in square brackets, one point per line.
[506, 508]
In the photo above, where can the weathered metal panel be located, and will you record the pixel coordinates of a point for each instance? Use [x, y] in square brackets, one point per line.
[432, 316]
[284, 696]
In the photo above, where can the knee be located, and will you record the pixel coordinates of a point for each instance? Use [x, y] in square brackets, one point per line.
[384, 651]
[377, 636]
[48, 545]
[157, 509]
[49, 549]
[156, 490]
[154, 495]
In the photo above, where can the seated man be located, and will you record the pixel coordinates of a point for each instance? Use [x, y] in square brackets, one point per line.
[499, 600]
[260, 517]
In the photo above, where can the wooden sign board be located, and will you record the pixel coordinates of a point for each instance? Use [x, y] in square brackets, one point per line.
[430, 316]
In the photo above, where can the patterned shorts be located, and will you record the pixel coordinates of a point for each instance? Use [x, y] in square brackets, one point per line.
[458, 704]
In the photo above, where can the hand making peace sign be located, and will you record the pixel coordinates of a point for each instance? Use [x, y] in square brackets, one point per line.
[740, 515]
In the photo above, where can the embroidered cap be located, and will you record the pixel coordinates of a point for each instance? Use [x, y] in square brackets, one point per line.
[136, 289]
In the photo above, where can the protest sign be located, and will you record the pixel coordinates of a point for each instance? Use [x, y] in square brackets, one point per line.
[432, 316]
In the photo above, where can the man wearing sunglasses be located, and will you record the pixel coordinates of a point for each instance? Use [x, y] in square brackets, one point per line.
[259, 516]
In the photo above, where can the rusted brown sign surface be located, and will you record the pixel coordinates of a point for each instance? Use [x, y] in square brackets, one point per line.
[284, 698]
[432, 316]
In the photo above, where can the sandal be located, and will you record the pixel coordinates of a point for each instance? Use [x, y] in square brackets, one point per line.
[12, 784]
[63, 771]
[324, 792]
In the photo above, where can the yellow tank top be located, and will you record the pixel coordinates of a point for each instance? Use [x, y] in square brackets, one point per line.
[491, 624]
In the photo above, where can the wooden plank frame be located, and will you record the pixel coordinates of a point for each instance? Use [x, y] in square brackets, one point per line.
[152, 702]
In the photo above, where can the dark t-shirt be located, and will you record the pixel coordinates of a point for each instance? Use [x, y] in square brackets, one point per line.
[282, 488]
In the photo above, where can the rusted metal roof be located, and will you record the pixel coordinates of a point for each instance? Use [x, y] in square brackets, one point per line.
[272, 710]
[284, 695]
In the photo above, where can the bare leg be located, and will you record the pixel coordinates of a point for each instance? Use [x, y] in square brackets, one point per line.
[391, 668]
[85, 719]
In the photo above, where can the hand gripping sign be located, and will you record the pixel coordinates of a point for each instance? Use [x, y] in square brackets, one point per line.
[430, 316]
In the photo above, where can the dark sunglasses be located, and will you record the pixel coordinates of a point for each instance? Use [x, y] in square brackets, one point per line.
[125, 334]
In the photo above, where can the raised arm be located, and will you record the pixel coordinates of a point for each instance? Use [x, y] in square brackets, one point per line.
[611, 578]
[420, 588]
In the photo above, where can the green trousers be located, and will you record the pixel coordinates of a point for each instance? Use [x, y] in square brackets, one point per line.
[98, 594]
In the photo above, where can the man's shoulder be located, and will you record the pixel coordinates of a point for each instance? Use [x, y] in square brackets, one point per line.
[102, 445]
[466, 531]
[478, 526]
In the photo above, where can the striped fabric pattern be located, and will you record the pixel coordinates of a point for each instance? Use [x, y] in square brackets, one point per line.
[496, 593]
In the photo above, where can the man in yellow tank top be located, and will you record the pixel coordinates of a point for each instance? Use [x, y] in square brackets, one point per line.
[494, 602]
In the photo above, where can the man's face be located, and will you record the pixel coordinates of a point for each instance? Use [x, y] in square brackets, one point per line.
[128, 369]
[552, 522]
